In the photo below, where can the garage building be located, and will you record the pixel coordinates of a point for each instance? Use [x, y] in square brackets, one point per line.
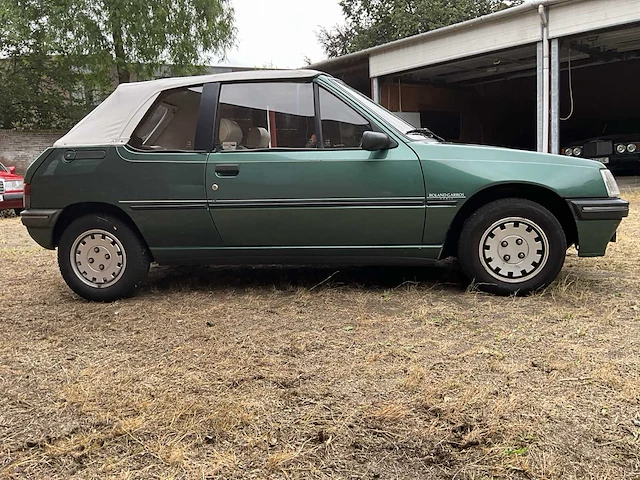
[538, 76]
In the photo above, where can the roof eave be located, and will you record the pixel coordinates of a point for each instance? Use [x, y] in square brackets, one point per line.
[440, 31]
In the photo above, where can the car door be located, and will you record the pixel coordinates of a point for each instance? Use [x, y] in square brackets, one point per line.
[288, 171]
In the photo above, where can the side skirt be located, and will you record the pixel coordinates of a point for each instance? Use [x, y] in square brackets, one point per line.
[343, 255]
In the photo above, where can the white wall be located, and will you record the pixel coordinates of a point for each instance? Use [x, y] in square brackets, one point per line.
[466, 42]
[500, 32]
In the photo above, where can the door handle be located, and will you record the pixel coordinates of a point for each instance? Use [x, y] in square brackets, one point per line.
[227, 169]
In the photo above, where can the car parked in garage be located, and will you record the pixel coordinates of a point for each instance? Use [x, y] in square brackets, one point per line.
[11, 189]
[295, 167]
[618, 152]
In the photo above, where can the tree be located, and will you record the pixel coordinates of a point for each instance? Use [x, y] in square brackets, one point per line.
[58, 58]
[338, 41]
[374, 22]
[36, 86]
[139, 37]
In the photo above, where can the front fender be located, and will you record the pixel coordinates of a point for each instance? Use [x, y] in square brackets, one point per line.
[454, 174]
[469, 169]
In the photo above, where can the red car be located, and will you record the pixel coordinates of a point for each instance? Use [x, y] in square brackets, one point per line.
[11, 189]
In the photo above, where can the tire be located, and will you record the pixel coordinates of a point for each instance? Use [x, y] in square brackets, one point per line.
[110, 259]
[17, 211]
[512, 246]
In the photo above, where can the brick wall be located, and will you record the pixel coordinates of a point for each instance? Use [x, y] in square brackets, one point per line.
[21, 148]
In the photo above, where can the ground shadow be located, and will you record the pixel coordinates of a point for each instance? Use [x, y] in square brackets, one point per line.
[446, 274]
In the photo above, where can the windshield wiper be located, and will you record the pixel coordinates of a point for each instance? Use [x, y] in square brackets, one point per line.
[427, 133]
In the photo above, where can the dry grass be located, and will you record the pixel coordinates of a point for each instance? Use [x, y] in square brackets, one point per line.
[377, 373]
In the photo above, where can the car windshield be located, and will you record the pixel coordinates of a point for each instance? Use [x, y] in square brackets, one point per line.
[3, 168]
[410, 131]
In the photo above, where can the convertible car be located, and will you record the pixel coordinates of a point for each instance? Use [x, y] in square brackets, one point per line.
[295, 167]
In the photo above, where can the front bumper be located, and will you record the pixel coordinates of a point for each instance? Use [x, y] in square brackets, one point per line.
[11, 200]
[597, 220]
[40, 224]
[618, 161]
[599, 208]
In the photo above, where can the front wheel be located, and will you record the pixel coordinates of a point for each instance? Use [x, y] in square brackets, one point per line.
[512, 246]
[102, 258]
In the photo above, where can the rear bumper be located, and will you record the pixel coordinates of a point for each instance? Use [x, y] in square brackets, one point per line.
[40, 224]
[596, 223]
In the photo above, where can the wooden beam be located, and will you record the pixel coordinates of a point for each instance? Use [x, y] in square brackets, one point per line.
[596, 53]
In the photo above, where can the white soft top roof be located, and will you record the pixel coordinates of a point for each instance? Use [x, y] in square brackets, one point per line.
[114, 120]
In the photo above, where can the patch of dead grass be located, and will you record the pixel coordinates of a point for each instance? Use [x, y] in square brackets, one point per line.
[271, 373]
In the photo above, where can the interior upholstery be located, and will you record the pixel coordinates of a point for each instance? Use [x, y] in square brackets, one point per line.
[229, 131]
[258, 137]
[179, 134]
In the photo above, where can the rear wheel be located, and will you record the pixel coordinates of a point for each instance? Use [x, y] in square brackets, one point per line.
[512, 246]
[101, 258]
[17, 211]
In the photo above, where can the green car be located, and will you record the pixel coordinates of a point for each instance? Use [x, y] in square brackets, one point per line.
[295, 167]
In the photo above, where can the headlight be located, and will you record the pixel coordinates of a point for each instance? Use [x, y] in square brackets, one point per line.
[610, 183]
[13, 185]
[577, 151]
[568, 151]
[632, 147]
[621, 148]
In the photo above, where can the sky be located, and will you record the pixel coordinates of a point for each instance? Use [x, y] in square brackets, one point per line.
[280, 33]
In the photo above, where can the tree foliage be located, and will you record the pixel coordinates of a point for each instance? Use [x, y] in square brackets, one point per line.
[35, 85]
[58, 57]
[139, 36]
[375, 22]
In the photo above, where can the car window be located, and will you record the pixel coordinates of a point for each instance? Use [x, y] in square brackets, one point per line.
[342, 126]
[266, 115]
[395, 121]
[171, 122]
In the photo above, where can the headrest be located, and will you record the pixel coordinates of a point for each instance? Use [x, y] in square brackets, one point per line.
[258, 137]
[229, 131]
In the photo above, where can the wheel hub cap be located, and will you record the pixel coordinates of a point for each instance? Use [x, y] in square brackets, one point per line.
[98, 258]
[514, 250]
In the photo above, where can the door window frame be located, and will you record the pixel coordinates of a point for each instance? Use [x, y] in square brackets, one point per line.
[216, 123]
[374, 124]
[209, 119]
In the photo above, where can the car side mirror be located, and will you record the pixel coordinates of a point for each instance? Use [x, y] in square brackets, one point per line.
[374, 141]
[12, 170]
